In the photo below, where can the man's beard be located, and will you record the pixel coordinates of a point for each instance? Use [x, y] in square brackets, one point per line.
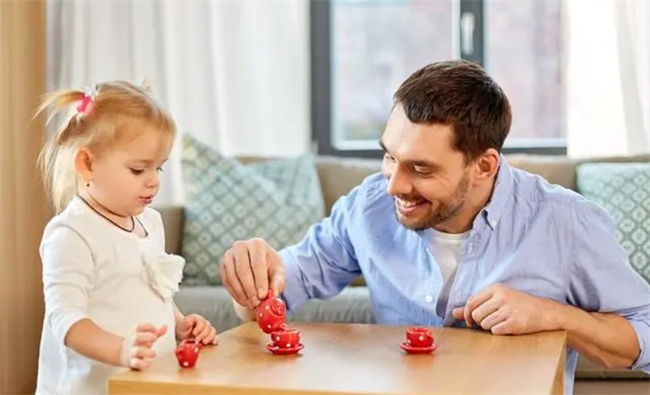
[445, 211]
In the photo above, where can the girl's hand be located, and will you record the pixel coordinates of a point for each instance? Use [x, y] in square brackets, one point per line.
[136, 352]
[196, 327]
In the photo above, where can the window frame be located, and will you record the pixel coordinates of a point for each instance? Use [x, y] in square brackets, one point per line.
[321, 79]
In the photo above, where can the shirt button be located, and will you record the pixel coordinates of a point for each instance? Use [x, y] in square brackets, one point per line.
[428, 299]
[470, 248]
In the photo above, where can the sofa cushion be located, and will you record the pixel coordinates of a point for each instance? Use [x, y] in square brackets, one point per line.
[226, 201]
[215, 304]
[173, 217]
[339, 176]
[352, 305]
[623, 189]
[212, 302]
[558, 170]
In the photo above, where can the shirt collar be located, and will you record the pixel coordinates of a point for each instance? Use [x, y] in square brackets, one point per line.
[500, 193]
[494, 209]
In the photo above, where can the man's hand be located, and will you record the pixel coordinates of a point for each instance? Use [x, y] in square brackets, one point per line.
[504, 311]
[197, 327]
[248, 269]
[607, 339]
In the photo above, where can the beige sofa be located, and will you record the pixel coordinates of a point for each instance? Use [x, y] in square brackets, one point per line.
[337, 177]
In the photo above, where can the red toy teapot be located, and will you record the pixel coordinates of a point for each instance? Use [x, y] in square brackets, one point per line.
[271, 314]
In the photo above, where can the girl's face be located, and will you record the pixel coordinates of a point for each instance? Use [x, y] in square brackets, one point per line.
[125, 179]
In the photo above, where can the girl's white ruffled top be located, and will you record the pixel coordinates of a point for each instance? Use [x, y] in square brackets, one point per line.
[92, 269]
[164, 271]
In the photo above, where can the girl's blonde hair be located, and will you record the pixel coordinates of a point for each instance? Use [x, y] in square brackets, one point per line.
[119, 110]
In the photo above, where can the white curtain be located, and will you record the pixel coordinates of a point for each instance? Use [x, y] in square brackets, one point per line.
[607, 79]
[235, 74]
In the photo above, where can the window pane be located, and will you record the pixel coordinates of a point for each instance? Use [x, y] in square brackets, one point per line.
[375, 46]
[523, 54]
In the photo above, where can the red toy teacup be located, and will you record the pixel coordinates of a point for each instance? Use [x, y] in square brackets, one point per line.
[271, 314]
[187, 353]
[419, 337]
[286, 338]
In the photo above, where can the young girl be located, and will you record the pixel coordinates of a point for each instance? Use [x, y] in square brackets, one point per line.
[108, 283]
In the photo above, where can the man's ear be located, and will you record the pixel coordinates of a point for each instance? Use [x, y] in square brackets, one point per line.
[83, 163]
[487, 165]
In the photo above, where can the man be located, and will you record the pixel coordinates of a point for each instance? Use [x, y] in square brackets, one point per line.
[450, 233]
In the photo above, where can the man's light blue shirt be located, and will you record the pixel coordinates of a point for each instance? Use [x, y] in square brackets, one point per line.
[532, 236]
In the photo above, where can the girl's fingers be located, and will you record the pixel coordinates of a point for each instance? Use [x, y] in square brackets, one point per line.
[199, 327]
[144, 339]
[138, 364]
[142, 353]
[204, 333]
[211, 338]
[162, 330]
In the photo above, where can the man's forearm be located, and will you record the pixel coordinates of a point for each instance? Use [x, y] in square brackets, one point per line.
[607, 339]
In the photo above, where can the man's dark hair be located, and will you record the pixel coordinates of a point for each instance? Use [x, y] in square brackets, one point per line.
[460, 94]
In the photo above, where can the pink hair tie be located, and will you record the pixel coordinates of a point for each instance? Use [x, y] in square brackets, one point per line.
[83, 107]
[86, 105]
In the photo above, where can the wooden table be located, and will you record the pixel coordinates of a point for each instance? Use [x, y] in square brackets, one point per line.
[361, 359]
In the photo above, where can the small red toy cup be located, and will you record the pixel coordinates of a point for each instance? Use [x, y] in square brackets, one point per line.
[271, 314]
[419, 337]
[187, 353]
[286, 338]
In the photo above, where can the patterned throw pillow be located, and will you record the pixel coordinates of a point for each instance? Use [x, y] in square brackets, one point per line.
[227, 201]
[623, 189]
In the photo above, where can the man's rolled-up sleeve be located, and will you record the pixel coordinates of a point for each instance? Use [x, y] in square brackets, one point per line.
[602, 279]
[642, 328]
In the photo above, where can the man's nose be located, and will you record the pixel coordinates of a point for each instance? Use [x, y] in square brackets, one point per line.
[398, 182]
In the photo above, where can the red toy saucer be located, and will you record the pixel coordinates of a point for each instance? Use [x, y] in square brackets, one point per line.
[284, 351]
[417, 350]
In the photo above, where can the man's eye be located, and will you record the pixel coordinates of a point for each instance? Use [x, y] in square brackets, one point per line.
[422, 172]
[388, 157]
[159, 169]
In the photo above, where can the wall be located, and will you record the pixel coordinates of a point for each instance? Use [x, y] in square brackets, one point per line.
[23, 209]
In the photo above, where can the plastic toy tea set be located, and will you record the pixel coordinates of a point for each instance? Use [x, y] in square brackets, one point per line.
[271, 318]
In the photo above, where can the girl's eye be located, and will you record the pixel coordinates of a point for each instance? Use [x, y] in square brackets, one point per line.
[136, 171]
[159, 169]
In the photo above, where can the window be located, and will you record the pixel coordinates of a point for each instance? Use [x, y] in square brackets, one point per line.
[363, 50]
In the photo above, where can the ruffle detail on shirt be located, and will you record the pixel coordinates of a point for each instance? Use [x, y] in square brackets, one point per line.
[164, 272]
